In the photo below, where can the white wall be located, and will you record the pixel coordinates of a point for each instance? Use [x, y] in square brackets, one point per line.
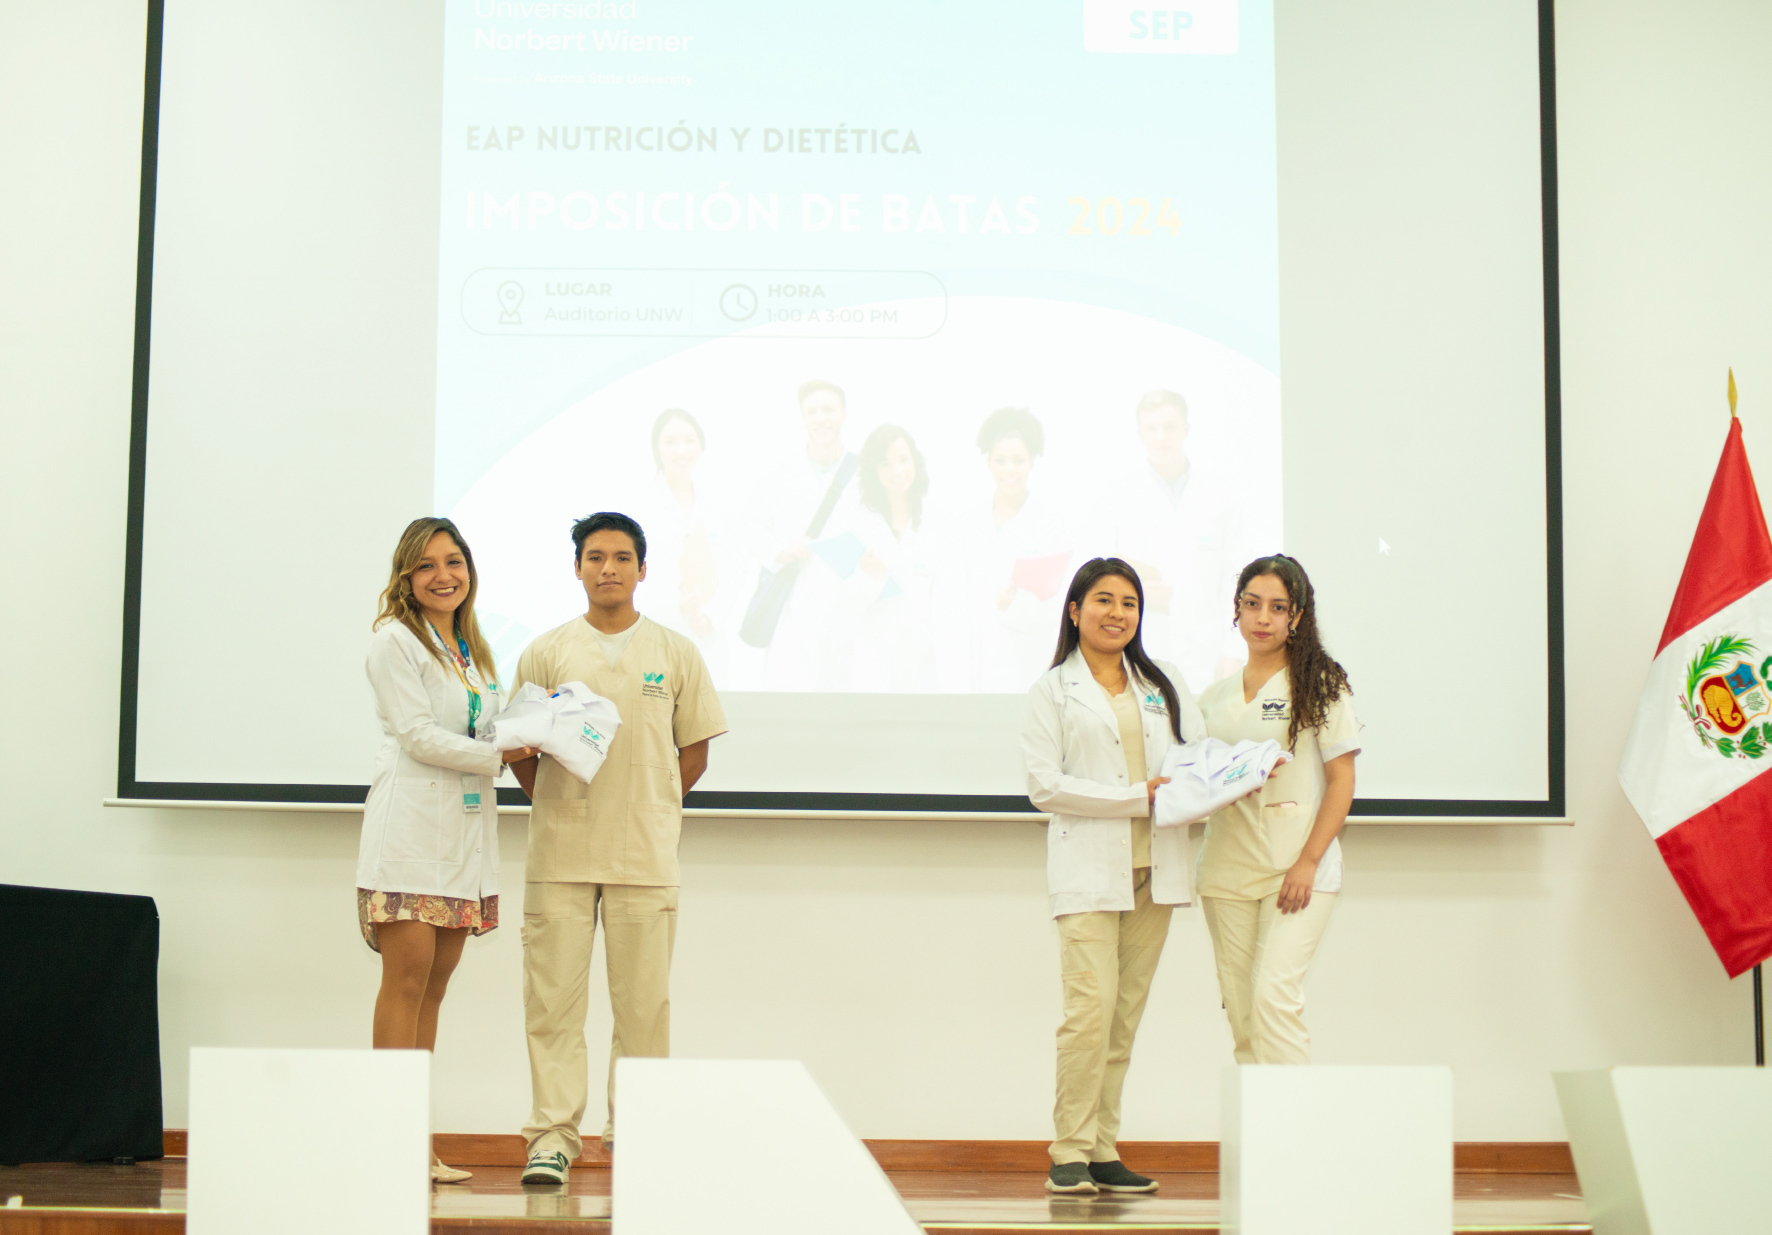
[910, 964]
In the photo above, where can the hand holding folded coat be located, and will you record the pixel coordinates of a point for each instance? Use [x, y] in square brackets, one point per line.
[572, 724]
[1209, 775]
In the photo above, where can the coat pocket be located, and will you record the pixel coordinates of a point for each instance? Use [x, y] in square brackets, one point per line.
[415, 829]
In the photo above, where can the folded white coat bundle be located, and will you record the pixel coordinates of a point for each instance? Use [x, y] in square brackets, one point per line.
[574, 725]
[1208, 775]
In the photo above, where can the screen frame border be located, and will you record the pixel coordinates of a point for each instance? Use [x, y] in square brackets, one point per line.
[1549, 809]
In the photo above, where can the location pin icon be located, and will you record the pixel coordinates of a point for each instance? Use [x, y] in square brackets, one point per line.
[510, 299]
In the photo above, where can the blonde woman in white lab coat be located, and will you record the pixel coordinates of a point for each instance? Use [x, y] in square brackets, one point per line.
[1098, 725]
[427, 864]
[1270, 867]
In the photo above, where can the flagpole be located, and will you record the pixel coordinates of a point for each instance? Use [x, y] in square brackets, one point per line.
[1759, 1023]
[1759, 989]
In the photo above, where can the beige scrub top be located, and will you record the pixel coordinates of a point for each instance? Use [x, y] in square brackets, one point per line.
[1125, 705]
[1253, 842]
[625, 825]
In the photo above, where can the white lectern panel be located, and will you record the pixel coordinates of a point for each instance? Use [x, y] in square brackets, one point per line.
[287, 1142]
[1336, 1151]
[768, 1153]
[1673, 1151]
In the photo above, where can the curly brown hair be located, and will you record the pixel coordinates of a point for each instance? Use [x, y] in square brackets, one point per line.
[1316, 679]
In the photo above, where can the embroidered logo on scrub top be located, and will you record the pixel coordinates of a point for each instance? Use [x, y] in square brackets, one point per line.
[654, 687]
[1275, 709]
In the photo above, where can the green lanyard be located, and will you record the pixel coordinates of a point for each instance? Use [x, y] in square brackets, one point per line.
[462, 663]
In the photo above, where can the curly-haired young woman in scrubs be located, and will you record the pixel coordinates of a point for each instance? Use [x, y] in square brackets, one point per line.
[1270, 869]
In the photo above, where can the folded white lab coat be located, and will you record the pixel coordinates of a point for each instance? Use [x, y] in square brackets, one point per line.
[1208, 775]
[573, 724]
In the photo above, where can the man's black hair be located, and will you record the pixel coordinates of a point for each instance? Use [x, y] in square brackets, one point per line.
[607, 521]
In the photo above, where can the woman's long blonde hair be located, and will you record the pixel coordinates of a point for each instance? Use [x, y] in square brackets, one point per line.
[399, 605]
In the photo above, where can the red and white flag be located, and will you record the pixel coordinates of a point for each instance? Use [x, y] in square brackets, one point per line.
[1698, 765]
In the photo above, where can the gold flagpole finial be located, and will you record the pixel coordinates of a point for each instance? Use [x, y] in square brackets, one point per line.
[1732, 392]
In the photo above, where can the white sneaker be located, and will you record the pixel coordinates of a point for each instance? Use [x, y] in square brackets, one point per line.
[545, 1168]
[442, 1174]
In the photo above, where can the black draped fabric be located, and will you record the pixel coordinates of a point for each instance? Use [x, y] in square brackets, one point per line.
[79, 1026]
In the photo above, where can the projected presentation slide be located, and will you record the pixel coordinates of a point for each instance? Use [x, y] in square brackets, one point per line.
[901, 311]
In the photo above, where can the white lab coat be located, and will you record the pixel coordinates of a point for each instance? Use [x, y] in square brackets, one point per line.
[417, 834]
[1070, 741]
[1011, 644]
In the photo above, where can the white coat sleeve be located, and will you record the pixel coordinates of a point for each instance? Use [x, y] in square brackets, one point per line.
[399, 687]
[1049, 788]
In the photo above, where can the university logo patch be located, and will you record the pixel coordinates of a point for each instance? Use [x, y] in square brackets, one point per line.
[653, 677]
[1725, 694]
[592, 738]
[1274, 709]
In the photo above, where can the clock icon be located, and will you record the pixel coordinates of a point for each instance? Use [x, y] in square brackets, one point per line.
[739, 302]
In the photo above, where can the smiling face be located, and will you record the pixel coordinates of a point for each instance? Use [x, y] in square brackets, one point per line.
[609, 569]
[823, 413]
[679, 447]
[1010, 462]
[1107, 616]
[440, 581]
[898, 470]
[1265, 615]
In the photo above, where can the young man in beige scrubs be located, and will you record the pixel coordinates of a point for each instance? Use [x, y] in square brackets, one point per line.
[609, 847]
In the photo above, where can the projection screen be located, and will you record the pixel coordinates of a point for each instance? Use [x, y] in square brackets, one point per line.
[1015, 285]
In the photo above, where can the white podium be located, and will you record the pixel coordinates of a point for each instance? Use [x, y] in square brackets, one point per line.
[1672, 1150]
[1335, 1151]
[744, 1147]
[287, 1142]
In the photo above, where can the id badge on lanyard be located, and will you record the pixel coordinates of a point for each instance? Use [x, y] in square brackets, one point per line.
[470, 793]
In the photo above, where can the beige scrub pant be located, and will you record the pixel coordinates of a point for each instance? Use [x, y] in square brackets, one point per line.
[1109, 959]
[559, 926]
[1262, 956]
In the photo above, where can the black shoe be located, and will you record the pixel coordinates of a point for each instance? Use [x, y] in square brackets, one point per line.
[1114, 1177]
[1070, 1177]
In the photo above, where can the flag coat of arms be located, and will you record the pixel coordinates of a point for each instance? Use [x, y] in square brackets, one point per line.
[1696, 766]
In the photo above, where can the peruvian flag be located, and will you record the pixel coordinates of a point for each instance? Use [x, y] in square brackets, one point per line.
[1697, 762]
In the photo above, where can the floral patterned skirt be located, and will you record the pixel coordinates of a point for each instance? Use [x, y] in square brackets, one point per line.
[448, 912]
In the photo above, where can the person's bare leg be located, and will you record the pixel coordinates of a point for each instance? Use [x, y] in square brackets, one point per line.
[443, 962]
[407, 951]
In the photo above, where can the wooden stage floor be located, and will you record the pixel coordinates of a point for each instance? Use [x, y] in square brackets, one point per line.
[99, 1199]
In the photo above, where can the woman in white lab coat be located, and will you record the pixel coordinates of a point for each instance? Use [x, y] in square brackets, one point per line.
[1018, 546]
[1098, 726]
[427, 865]
[682, 518]
[895, 646]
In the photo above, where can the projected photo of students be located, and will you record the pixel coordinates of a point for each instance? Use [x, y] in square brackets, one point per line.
[894, 647]
[1018, 551]
[686, 523]
[1183, 529]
